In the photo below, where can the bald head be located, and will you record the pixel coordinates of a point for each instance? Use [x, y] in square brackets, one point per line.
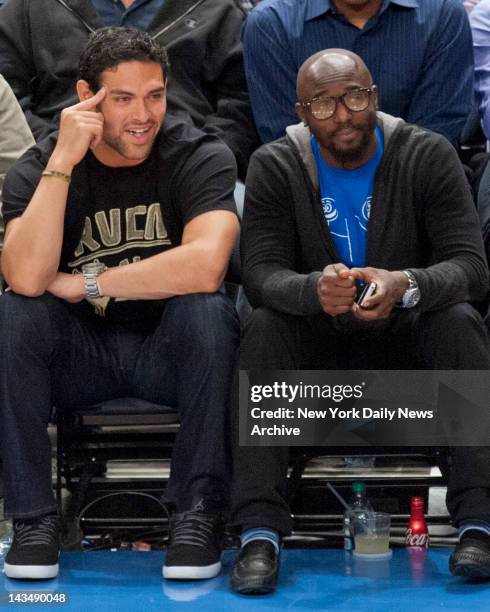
[328, 66]
[343, 126]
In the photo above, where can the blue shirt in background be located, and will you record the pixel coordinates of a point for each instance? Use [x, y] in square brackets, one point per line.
[419, 53]
[346, 199]
[480, 25]
[139, 15]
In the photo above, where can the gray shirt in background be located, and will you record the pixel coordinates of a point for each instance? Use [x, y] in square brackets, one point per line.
[15, 136]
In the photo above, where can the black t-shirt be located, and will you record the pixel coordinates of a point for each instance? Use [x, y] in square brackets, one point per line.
[121, 215]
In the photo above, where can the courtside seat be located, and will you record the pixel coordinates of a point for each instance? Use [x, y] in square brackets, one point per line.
[124, 428]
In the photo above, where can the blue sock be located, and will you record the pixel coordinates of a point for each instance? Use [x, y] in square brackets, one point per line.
[261, 533]
[474, 526]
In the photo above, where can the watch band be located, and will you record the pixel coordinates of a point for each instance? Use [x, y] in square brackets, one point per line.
[90, 273]
[411, 297]
[92, 289]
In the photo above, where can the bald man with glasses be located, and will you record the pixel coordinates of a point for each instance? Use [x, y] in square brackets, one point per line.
[352, 196]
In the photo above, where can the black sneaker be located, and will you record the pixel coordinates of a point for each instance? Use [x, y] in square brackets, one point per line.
[471, 557]
[35, 550]
[194, 548]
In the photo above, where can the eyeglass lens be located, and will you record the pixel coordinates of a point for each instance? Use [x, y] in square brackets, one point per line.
[357, 100]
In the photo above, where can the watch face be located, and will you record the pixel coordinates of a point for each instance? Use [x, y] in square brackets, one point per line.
[94, 267]
[411, 297]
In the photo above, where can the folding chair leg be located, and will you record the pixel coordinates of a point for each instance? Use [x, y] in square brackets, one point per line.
[294, 481]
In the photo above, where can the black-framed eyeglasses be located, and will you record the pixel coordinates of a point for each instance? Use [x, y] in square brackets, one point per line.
[355, 100]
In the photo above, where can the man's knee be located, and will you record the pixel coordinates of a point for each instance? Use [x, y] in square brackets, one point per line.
[264, 322]
[273, 340]
[208, 320]
[456, 319]
[20, 315]
[455, 338]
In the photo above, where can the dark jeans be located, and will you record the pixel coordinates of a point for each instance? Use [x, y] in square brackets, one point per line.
[450, 339]
[50, 356]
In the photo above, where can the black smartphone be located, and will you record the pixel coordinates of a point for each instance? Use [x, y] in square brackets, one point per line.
[366, 291]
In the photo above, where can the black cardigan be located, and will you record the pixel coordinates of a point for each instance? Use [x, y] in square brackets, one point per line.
[422, 218]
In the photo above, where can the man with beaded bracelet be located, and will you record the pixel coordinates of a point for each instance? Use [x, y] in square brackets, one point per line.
[119, 232]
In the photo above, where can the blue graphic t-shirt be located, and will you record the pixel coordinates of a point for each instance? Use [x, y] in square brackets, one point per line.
[346, 199]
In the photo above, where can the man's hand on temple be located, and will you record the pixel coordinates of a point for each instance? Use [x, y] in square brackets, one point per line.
[336, 289]
[69, 287]
[81, 128]
[389, 291]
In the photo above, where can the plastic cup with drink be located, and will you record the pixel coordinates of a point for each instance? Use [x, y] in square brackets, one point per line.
[372, 535]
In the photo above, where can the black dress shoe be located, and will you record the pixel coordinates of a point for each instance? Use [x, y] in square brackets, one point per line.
[256, 569]
[471, 557]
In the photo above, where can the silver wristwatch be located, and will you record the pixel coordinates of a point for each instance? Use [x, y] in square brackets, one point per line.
[411, 297]
[90, 273]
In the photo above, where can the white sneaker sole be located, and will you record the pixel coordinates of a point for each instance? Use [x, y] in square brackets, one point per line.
[191, 572]
[31, 572]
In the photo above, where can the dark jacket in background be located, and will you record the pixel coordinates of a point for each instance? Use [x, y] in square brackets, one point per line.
[41, 42]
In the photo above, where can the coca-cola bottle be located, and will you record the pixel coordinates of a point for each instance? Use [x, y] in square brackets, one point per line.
[417, 534]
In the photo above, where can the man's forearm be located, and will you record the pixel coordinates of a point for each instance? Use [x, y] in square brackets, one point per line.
[283, 289]
[198, 265]
[190, 268]
[452, 282]
[33, 242]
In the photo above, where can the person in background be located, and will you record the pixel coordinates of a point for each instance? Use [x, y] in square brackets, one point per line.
[419, 53]
[39, 59]
[480, 28]
[15, 136]
[470, 5]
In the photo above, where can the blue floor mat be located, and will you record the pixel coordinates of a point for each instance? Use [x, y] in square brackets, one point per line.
[310, 579]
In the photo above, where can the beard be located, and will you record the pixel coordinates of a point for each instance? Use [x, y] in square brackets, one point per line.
[128, 150]
[351, 155]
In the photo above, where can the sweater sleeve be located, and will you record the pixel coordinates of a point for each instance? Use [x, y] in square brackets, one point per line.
[269, 242]
[459, 271]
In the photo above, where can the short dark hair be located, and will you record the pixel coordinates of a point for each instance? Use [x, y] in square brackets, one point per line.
[108, 47]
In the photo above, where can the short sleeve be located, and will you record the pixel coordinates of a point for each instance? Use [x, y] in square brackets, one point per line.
[21, 183]
[206, 181]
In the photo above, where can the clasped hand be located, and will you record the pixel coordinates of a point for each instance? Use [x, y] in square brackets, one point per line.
[69, 287]
[337, 291]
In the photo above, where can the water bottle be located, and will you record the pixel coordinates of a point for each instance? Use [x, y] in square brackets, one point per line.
[358, 505]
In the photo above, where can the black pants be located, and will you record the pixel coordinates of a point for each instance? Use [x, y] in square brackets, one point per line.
[450, 339]
[49, 355]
